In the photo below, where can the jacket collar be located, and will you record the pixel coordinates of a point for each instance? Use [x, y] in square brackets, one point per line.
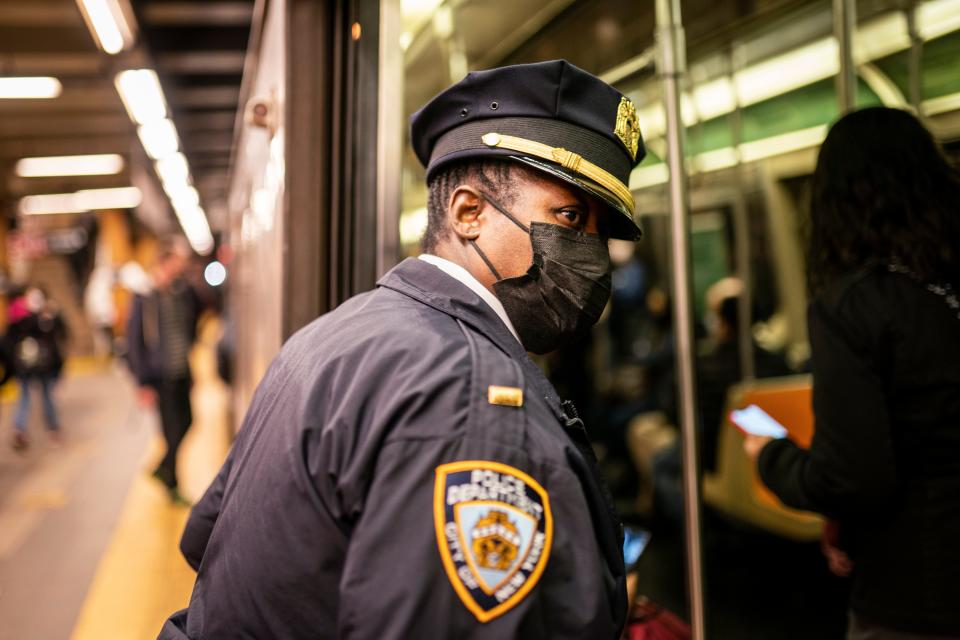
[426, 283]
[429, 285]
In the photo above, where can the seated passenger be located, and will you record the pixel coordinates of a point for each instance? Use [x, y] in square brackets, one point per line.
[718, 366]
[884, 328]
[653, 437]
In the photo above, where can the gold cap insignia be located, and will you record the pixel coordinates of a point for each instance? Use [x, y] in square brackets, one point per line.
[628, 129]
[505, 396]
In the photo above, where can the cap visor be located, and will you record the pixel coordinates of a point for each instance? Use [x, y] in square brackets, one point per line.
[623, 226]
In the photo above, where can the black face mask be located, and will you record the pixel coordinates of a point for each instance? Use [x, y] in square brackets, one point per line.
[565, 290]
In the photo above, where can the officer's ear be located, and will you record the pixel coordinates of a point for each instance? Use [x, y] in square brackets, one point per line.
[464, 212]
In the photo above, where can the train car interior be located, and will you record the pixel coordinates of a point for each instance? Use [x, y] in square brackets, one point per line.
[758, 99]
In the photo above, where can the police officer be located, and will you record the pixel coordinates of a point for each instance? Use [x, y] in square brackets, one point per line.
[405, 471]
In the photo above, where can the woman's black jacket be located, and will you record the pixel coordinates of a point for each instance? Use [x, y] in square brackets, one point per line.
[885, 458]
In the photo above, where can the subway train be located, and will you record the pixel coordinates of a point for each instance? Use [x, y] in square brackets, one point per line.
[759, 95]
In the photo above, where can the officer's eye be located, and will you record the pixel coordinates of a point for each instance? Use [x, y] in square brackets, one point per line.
[572, 217]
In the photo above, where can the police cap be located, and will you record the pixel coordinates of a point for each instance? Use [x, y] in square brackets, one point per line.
[552, 116]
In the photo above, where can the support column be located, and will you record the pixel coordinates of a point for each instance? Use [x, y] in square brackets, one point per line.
[915, 61]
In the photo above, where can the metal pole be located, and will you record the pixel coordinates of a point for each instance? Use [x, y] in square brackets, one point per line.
[844, 23]
[915, 60]
[741, 237]
[672, 65]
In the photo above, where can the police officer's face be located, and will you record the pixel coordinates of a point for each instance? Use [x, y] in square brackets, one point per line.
[540, 198]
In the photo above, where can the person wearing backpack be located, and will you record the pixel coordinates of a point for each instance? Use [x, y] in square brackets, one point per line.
[34, 342]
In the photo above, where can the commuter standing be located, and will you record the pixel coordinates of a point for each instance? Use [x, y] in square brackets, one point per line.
[885, 341]
[35, 345]
[405, 470]
[160, 333]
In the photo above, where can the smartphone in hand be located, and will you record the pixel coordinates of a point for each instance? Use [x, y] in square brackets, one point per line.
[635, 542]
[755, 421]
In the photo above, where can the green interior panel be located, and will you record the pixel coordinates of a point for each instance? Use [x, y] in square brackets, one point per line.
[940, 64]
[710, 262]
[941, 67]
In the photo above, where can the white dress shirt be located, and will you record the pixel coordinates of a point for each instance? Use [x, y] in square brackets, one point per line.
[457, 272]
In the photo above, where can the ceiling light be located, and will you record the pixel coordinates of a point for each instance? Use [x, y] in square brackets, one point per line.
[173, 169]
[159, 139]
[141, 94]
[94, 165]
[943, 104]
[798, 68]
[184, 199]
[716, 160]
[937, 18]
[193, 221]
[714, 98]
[649, 176]
[30, 87]
[81, 201]
[881, 37]
[107, 23]
[783, 143]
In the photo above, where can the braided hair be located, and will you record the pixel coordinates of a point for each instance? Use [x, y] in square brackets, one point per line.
[496, 177]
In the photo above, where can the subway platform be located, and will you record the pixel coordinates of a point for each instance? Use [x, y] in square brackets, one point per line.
[88, 540]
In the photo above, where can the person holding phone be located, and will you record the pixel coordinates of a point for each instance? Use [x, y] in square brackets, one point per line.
[884, 329]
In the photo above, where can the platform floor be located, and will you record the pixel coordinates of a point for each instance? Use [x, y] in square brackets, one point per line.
[88, 540]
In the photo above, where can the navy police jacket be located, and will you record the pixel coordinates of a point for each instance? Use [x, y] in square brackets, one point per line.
[405, 471]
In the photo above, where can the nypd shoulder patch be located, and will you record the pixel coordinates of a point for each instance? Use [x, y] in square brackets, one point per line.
[494, 529]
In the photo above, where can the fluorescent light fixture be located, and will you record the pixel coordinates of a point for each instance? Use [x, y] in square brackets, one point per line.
[175, 188]
[881, 37]
[714, 98]
[649, 176]
[141, 94]
[818, 60]
[688, 110]
[81, 201]
[784, 143]
[30, 87]
[715, 160]
[419, 6]
[159, 139]
[173, 169]
[935, 106]
[729, 156]
[193, 221]
[937, 18]
[93, 165]
[798, 68]
[185, 198]
[653, 120]
[107, 23]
